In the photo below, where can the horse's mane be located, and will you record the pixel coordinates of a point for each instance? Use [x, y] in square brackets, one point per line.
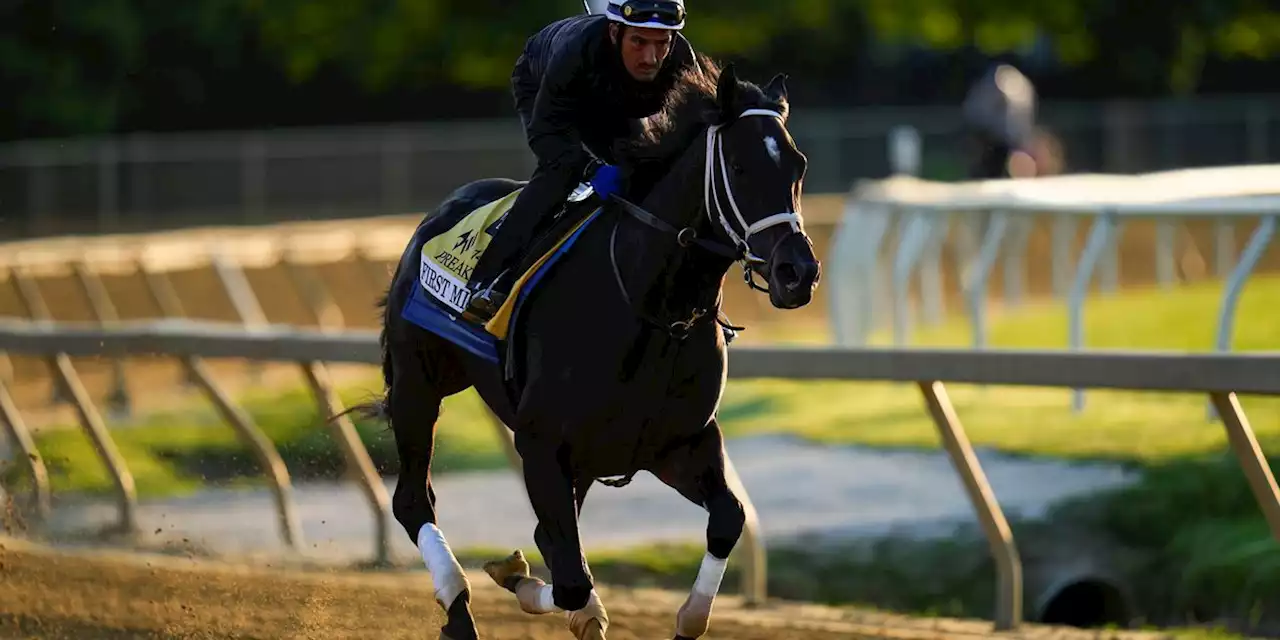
[691, 106]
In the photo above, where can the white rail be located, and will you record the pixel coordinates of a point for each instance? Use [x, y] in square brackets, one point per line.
[893, 231]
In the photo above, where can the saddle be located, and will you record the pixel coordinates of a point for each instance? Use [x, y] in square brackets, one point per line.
[448, 258]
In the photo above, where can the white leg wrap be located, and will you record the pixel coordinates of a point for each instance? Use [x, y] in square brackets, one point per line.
[709, 576]
[546, 600]
[695, 614]
[535, 597]
[446, 572]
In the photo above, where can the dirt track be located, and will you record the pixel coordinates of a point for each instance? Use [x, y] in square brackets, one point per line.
[93, 595]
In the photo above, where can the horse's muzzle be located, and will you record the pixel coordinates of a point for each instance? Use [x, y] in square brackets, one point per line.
[794, 273]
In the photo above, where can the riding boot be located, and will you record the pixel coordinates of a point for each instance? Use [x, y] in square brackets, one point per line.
[494, 275]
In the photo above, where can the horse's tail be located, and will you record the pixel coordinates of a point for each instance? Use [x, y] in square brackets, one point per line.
[380, 408]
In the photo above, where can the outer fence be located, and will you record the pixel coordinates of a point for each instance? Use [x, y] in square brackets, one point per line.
[145, 181]
[893, 232]
[1218, 375]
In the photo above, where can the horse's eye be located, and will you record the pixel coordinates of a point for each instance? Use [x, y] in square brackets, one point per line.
[737, 168]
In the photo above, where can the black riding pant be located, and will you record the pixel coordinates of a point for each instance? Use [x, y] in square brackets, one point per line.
[547, 190]
[552, 182]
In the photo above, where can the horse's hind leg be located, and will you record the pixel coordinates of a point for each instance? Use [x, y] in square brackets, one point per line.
[555, 496]
[536, 596]
[414, 401]
[697, 472]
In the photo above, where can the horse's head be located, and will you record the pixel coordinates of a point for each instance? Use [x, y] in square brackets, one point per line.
[752, 185]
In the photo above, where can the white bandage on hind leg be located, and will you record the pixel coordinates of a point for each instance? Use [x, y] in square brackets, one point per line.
[710, 574]
[546, 599]
[535, 597]
[446, 573]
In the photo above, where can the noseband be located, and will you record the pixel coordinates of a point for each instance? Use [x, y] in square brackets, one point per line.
[687, 237]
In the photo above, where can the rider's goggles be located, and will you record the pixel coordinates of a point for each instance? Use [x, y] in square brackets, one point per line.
[667, 13]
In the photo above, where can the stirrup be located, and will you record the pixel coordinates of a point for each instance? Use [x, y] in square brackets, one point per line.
[479, 313]
[485, 302]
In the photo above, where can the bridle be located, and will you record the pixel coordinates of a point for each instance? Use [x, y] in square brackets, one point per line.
[687, 237]
[715, 141]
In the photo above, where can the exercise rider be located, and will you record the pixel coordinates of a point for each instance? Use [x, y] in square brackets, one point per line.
[581, 84]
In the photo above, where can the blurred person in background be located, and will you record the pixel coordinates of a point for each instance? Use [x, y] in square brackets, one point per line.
[581, 84]
[999, 114]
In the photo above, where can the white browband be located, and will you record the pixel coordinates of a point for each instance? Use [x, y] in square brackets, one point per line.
[715, 143]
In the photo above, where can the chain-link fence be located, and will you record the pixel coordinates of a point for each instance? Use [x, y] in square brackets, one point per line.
[144, 182]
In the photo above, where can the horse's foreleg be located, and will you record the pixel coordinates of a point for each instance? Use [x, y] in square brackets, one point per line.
[698, 474]
[414, 409]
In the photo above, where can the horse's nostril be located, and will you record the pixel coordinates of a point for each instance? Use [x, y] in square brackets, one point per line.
[787, 275]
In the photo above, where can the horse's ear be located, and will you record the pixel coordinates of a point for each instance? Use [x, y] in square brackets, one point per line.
[777, 89]
[727, 88]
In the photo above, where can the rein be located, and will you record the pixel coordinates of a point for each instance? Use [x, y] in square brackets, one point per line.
[688, 237]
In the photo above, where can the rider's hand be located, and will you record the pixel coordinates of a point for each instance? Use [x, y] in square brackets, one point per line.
[606, 180]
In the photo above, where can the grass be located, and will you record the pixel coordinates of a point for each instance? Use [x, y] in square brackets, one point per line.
[176, 453]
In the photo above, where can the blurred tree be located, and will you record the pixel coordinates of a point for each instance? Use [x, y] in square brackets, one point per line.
[72, 68]
[474, 43]
[79, 67]
[1129, 46]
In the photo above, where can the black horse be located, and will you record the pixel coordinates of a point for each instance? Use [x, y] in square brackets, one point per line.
[616, 362]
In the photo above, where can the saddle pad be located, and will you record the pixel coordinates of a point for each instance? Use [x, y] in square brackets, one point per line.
[482, 342]
[499, 324]
[446, 263]
[449, 258]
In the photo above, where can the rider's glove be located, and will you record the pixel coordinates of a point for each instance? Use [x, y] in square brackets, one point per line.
[606, 180]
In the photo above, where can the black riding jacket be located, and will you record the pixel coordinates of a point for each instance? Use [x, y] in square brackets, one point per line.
[572, 90]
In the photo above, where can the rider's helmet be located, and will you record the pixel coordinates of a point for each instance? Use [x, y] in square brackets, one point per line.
[1002, 104]
[654, 14]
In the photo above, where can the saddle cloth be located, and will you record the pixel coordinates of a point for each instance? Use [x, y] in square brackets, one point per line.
[447, 261]
[449, 258]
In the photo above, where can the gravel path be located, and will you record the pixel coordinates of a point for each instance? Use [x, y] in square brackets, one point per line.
[798, 488]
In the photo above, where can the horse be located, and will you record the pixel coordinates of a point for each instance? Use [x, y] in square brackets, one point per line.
[617, 358]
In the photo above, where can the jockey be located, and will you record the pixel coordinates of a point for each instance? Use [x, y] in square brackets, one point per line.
[999, 112]
[580, 84]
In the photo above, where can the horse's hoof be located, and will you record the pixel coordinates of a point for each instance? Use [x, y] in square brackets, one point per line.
[694, 617]
[503, 570]
[593, 631]
[589, 622]
[460, 625]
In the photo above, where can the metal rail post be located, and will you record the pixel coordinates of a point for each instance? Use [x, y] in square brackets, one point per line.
[1099, 237]
[1235, 282]
[359, 466]
[162, 292]
[1008, 613]
[65, 375]
[11, 418]
[976, 284]
[1245, 445]
[104, 311]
